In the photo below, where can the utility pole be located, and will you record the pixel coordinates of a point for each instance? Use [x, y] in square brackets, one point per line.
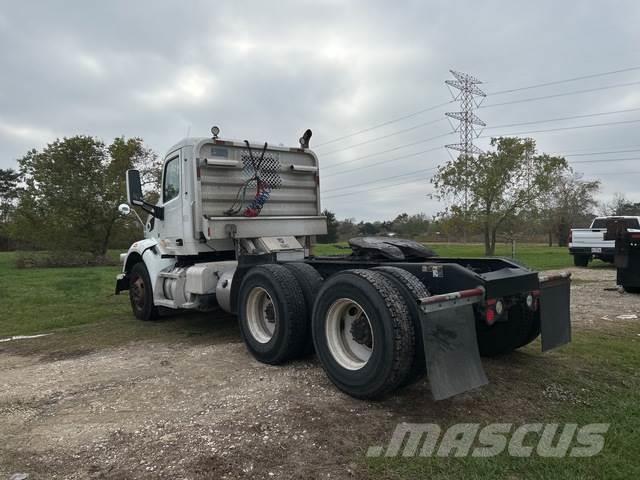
[468, 90]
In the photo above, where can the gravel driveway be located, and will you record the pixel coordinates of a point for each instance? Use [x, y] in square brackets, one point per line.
[183, 410]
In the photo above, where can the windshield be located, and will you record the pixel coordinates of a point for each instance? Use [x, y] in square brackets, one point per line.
[603, 222]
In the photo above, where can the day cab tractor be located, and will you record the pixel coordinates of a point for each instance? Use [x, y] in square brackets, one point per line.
[234, 228]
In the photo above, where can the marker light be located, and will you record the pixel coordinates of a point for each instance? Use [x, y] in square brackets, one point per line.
[530, 301]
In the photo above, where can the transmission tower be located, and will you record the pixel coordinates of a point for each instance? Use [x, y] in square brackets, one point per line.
[466, 95]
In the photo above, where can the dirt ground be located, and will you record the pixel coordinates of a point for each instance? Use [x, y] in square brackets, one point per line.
[187, 410]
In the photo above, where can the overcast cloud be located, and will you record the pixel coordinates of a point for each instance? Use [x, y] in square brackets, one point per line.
[269, 70]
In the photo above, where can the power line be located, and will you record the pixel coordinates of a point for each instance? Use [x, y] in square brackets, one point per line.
[575, 92]
[604, 160]
[337, 164]
[435, 167]
[395, 159]
[613, 112]
[413, 180]
[623, 122]
[419, 180]
[615, 173]
[600, 153]
[381, 179]
[397, 132]
[567, 80]
[608, 124]
[573, 117]
[600, 160]
[383, 124]
[500, 92]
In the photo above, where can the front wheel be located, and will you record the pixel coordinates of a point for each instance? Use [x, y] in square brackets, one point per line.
[141, 293]
[363, 333]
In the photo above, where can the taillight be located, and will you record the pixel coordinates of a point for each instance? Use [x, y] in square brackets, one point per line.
[495, 308]
[490, 316]
[570, 239]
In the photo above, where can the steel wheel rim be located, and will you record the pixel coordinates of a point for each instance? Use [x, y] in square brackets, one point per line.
[261, 315]
[351, 350]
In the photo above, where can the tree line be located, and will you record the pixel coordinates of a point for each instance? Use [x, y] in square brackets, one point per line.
[509, 192]
[65, 197]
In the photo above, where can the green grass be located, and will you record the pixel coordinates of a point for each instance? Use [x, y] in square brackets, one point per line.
[600, 371]
[40, 299]
[79, 306]
[600, 368]
[538, 257]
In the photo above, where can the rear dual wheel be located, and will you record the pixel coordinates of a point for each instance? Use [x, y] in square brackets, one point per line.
[363, 333]
[273, 314]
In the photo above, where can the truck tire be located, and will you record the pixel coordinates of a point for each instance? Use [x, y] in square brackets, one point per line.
[522, 328]
[272, 314]
[581, 260]
[310, 282]
[631, 289]
[362, 333]
[411, 289]
[141, 293]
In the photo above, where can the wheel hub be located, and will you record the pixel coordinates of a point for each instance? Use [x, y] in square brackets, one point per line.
[349, 334]
[361, 332]
[261, 315]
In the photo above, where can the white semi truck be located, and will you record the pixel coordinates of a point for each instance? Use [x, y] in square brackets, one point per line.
[234, 227]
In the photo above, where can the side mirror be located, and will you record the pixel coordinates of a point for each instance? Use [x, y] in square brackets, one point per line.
[124, 209]
[135, 196]
[134, 188]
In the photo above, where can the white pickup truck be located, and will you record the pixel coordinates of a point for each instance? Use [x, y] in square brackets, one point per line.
[588, 243]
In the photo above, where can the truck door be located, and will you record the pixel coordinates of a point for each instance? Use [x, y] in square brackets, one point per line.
[172, 228]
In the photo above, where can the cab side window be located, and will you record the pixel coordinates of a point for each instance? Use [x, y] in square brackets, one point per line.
[171, 185]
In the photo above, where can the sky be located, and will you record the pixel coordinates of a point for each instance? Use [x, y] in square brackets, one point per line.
[267, 71]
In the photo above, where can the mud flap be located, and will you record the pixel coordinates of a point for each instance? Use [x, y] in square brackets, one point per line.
[450, 344]
[555, 318]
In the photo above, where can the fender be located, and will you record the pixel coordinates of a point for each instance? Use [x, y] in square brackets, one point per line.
[150, 252]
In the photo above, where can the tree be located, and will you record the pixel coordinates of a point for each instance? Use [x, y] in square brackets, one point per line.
[570, 203]
[72, 190]
[332, 228]
[9, 192]
[621, 205]
[411, 225]
[347, 229]
[500, 185]
[368, 228]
